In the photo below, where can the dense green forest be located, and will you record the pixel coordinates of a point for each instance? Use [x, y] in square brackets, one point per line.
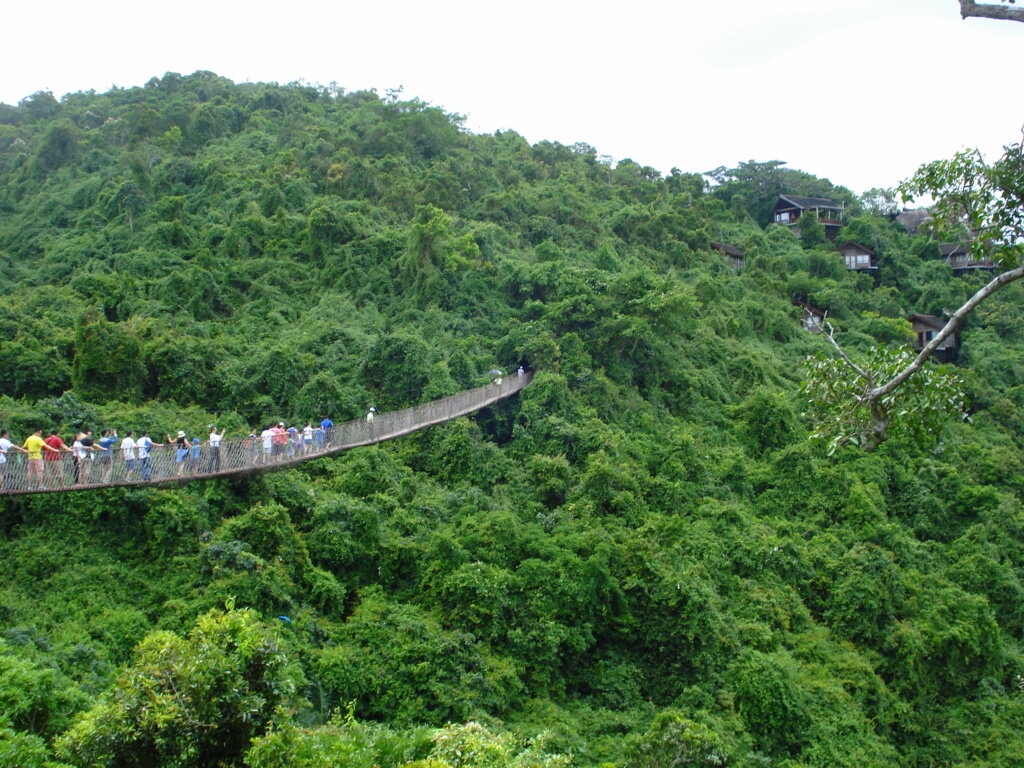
[642, 560]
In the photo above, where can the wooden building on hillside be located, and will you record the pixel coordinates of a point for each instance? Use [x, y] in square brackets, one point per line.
[813, 319]
[733, 255]
[789, 208]
[858, 258]
[925, 328]
[958, 257]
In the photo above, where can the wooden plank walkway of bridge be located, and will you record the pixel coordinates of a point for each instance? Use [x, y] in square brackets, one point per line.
[248, 455]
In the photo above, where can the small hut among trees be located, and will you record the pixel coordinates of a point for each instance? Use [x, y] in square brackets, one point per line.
[813, 319]
[858, 258]
[733, 255]
[925, 327]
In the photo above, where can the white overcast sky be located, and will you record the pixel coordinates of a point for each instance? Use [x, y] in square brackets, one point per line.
[858, 91]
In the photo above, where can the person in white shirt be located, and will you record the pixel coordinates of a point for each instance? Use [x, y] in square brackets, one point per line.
[145, 445]
[5, 447]
[128, 452]
[80, 455]
[267, 435]
[213, 465]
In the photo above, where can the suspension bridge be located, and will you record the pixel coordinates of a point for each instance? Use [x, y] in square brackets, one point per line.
[240, 456]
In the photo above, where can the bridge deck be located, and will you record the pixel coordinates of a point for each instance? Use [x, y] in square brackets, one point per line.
[242, 456]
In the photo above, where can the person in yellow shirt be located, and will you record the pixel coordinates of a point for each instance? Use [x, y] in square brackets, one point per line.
[35, 445]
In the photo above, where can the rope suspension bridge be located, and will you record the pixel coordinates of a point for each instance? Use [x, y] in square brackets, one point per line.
[241, 456]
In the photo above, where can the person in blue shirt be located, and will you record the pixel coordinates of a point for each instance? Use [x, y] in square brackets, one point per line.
[193, 455]
[327, 425]
[108, 439]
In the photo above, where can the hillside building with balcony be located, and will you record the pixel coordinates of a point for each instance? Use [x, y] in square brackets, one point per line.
[789, 208]
[959, 258]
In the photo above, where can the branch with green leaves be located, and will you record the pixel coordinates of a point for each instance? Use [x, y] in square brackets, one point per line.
[845, 408]
[888, 393]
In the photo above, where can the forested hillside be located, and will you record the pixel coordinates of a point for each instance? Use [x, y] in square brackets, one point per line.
[642, 559]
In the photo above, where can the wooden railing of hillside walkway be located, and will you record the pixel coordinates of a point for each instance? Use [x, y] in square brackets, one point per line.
[241, 456]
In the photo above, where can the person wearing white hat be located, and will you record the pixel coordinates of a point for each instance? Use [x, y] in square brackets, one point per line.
[369, 415]
[181, 449]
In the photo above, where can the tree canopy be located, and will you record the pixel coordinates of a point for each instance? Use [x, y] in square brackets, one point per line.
[647, 557]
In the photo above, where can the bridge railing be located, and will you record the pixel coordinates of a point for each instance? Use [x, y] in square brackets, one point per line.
[165, 464]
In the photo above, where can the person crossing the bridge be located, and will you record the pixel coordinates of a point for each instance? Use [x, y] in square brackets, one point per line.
[267, 437]
[108, 439]
[193, 455]
[55, 467]
[280, 439]
[128, 453]
[145, 445]
[213, 463]
[6, 446]
[83, 449]
[252, 447]
[293, 443]
[181, 448]
[35, 447]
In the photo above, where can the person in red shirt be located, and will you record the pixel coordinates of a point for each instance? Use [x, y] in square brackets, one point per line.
[280, 438]
[54, 465]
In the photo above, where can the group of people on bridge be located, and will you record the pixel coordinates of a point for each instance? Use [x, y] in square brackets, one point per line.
[51, 464]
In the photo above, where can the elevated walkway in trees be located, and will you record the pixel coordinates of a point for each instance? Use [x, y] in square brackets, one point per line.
[243, 456]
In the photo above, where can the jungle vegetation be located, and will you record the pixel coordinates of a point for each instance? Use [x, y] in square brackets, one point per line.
[646, 559]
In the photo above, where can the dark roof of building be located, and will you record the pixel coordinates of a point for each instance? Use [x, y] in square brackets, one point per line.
[807, 203]
[856, 245]
[949, 250]
[728, 250]
[809, 308]
[931, 320]
[952, 249]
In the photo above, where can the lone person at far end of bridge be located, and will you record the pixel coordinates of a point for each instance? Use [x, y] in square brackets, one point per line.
[370, 415]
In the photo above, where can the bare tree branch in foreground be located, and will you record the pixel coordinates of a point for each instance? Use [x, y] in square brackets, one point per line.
[1003, 12]
[864, 402]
